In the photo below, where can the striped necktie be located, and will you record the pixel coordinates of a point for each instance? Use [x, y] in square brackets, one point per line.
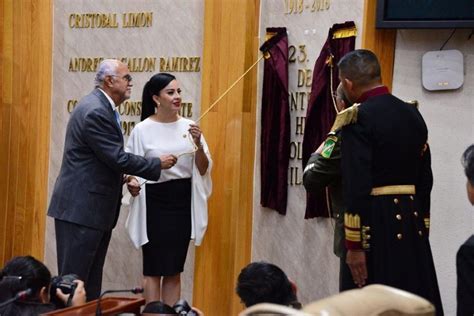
[117, 117]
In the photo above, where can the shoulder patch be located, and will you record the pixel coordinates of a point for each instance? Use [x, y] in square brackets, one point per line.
[346, 117]
[329, 146]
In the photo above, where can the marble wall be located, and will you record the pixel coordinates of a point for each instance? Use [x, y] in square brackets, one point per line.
[450, 119]
[302, 248]
[175, 31]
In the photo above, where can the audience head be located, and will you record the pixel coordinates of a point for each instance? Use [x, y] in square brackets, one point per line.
[22, 273]
[152, 91]
[114, 78]
[359, 71]
[262, 282]
[26, 274]
[468, 164]
[158, 308]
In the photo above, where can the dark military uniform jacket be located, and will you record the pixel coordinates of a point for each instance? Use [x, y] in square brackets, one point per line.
[465, 277]
[324, 170]
[387, 181]
[386, 147]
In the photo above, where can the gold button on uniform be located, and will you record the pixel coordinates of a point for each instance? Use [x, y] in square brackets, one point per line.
[420, 233]
[415, 213]
[399, 236]
[411, 197]
[399, 217]
[395, 200]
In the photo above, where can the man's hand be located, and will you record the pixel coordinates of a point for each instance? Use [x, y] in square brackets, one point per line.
[168, 161]
[133, 186]
[79, 297]
[356, 261]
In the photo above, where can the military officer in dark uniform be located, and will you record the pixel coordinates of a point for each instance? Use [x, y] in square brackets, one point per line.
[465, 254]
[387, 181]
[322, 171]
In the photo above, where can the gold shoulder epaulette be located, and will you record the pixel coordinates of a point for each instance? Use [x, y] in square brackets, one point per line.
[346, 117]
[414, 103]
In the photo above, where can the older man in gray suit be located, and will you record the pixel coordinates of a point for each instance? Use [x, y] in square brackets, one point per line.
[86, 197]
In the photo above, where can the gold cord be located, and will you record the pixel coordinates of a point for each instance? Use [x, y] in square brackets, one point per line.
[333, 97]
[230, 88]
[328, 205]
[195, 147]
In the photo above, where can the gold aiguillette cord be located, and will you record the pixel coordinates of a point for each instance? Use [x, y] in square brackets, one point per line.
[195, 147]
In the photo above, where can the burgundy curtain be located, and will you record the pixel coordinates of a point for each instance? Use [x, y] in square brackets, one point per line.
[320, 113]
[275, 136]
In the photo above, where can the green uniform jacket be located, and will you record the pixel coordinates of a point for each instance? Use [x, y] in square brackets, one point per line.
[324, 170]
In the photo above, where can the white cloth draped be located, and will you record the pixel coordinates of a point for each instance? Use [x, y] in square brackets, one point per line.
[146, 137]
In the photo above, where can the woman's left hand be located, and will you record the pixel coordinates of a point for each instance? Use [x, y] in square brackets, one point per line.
[195, 132]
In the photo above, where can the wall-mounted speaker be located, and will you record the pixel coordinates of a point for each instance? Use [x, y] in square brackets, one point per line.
[442, 70]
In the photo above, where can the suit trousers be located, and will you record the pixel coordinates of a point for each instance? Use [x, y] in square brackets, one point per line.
[81, 250]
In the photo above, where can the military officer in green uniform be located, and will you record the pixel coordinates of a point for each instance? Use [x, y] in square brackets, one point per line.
[387, 181]
[322, 171]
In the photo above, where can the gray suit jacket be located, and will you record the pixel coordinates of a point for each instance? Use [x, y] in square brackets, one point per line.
[88, 189]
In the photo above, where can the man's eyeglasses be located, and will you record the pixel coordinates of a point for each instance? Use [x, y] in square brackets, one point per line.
[127, 77]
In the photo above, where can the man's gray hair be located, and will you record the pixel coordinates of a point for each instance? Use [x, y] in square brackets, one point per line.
[107, 67]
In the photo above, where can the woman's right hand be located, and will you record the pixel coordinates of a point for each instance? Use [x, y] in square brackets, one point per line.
[168, 161]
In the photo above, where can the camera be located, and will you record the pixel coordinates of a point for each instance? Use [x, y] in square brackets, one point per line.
[182, 308]
[66, 284]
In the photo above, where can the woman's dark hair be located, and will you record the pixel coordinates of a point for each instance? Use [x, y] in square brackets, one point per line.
[20, 274]
[153, 87]
[468, 163]
[263, 282]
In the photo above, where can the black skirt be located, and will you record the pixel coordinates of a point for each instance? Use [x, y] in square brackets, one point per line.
[168, 214]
